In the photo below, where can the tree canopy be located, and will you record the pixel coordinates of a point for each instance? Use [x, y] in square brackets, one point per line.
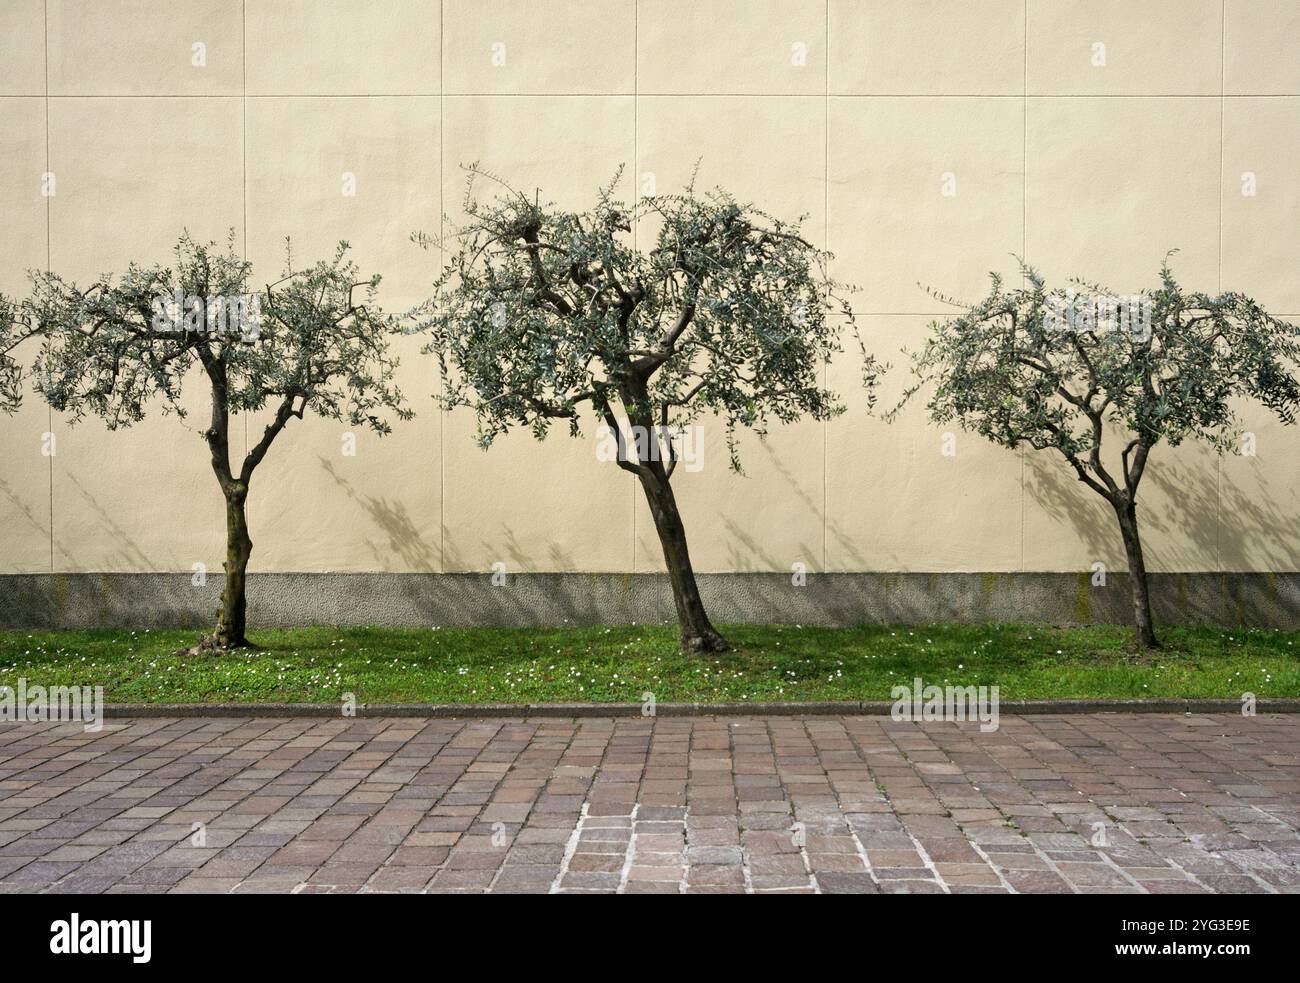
[729, 311]
[310, 341]
[1051, 368]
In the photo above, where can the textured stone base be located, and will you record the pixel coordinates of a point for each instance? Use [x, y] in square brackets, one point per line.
[287, 599]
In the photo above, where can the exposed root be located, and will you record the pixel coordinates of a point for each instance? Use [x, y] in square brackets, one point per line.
[707, 642]
[213, 645]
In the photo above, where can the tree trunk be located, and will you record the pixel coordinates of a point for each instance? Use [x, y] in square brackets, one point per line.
[698, 635]
[1137, 573]
[232, 618]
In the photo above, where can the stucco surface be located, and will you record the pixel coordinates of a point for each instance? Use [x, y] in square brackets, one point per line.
[853, 112]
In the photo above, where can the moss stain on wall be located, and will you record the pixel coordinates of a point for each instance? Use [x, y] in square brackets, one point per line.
[1083, 598]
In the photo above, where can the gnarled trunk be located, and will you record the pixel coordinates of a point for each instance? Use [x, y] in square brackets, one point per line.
[232, 618]
[698, 634]
[1126, 512]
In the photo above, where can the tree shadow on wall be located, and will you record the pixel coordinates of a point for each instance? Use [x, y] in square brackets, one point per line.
[558, 559]
[1244, 516]
[402, 537]
[768, 593]
[128, 552]
[1185, 523]
[749, 593]
[808, 553]
[21, 507]
[1066, 499]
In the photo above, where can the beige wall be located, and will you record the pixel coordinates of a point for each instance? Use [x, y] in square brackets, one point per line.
[1089, 170]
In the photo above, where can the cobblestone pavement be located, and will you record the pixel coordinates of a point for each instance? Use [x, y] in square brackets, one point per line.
[1087, 803]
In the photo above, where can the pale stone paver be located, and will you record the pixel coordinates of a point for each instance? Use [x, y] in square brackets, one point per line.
[1070, 803]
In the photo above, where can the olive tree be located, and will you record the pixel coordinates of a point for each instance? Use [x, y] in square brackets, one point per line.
[547, 314]
[311, 341]
[1061, 369]
[15, 328]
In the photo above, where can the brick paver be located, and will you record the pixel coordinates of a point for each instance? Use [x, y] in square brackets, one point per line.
[1087, 803]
